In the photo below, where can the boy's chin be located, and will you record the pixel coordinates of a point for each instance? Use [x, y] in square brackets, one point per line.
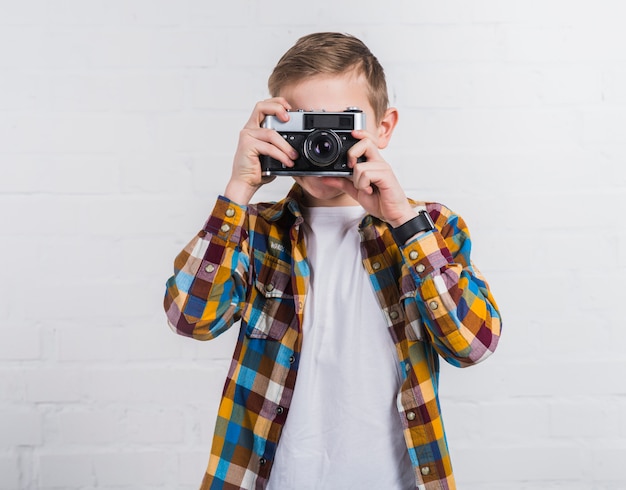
[317, 193]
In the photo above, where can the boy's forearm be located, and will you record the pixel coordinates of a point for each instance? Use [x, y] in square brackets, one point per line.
[454, 299]
[203, 296]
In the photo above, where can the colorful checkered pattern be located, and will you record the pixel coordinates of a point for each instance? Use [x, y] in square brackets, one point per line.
[249, 263]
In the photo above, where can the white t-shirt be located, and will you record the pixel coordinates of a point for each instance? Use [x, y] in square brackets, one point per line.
[343, 430]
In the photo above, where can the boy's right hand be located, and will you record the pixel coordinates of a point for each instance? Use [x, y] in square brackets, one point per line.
[254, 140]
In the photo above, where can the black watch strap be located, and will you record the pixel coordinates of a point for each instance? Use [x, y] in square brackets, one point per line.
[422, 222]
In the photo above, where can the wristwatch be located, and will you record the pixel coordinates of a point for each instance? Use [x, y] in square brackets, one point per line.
[422, 222]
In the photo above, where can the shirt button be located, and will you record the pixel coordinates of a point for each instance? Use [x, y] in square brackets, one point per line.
[394, 315]
[420, 268]
[410, 415]
[279, 410]
[225, 227]
[262, 461]
[209, 268]
[376, 266]
[413, 255]
[425, 471]
[407, 367]
[292, 359]
[269, 288]
[433, 305]
[230, 212]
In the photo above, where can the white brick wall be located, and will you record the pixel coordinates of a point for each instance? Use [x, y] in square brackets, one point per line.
[118, 121]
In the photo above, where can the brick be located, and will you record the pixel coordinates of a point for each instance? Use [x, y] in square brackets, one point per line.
[79, 175]
[608, 460]
[23, 346]
[162, 426]
[532, 378]
[455, 85]
[135, 468]
[54, 385]
[243, 13]
[91, 426]
[604, 126]
[12, 383]
[65, 470]
[441, 43]
[530, 463]
[74, 133]
[155, 385]
[614, 81]
[21, 427]
[22, 90]
[592, 419]
[33, 12]
[9, 469]
[237, 89]
[29, 38]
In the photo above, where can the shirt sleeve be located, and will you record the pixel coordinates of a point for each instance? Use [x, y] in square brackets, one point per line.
[205, 295]
[458, 310]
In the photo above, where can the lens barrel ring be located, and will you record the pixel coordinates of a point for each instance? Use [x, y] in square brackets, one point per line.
[322, 147]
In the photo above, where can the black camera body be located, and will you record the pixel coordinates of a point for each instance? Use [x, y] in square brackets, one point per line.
[322, 140]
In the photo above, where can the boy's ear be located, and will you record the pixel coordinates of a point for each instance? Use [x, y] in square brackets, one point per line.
[386, 127]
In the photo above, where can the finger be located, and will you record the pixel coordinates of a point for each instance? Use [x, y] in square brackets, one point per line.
[364, 148]
[362, 181]
[272, 151]
[277, 106]
[267, 142]
[268, 136]
[277, 140]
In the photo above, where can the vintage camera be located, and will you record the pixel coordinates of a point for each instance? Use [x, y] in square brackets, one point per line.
[321, 139]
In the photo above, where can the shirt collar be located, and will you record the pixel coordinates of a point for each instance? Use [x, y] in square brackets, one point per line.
[290, 205]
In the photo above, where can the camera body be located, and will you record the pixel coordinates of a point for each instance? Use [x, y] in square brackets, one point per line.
[322, 140]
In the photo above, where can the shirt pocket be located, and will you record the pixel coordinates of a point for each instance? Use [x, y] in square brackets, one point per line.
[270, 309]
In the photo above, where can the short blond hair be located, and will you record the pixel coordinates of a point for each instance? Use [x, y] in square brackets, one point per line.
[331, 53]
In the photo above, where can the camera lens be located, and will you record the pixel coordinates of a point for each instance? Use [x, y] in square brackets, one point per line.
[322, 147]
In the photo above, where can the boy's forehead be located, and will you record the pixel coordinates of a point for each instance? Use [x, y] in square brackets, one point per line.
[328, 92]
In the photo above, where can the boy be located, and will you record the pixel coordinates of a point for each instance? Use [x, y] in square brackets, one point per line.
[347, 293]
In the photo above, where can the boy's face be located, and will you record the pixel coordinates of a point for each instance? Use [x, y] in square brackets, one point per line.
[330, 93]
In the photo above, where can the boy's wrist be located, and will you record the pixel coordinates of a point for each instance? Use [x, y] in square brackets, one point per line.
[408, 216]
[420, 222]
[239, 192]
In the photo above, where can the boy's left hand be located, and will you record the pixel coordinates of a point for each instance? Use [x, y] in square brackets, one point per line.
[373, 183]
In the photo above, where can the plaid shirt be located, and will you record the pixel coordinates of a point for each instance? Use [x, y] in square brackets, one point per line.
[250, 263]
